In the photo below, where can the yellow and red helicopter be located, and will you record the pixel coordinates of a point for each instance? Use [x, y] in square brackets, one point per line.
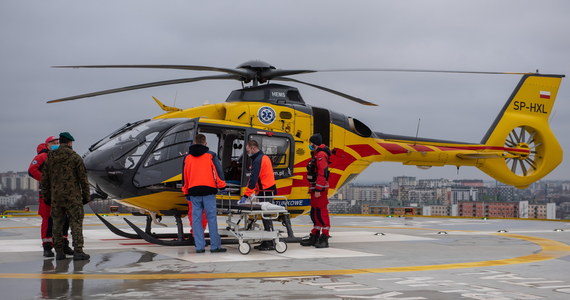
[140, 164]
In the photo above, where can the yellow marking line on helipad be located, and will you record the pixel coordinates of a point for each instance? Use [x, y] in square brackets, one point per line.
[550, 249]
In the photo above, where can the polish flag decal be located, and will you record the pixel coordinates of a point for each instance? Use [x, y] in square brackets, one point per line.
[544, 95]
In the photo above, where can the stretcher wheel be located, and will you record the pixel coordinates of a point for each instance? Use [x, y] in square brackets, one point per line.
[280, 247]
[244, 248]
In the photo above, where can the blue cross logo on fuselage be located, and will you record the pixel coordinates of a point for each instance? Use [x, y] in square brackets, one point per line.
[266, 115]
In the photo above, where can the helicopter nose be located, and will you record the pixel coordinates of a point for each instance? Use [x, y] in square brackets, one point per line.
[106, 175]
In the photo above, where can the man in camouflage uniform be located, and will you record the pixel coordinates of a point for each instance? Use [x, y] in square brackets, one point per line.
[64, 179]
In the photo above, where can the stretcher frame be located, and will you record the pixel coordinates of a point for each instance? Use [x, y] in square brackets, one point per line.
[249, 232]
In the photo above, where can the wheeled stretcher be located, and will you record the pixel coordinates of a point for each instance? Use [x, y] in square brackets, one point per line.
[242, 221]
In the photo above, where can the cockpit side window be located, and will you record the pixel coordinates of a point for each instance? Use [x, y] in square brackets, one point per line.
[134, 156]
[174, 144]
[278, 149]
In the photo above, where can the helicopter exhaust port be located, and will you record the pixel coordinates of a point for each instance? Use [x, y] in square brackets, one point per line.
[359, 128]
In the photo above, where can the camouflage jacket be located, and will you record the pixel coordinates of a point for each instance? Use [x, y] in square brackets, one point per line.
[64, 177]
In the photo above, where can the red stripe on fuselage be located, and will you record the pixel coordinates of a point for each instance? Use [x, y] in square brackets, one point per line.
[364, 150]
[286, 190]
[341, 159]
[302, 163]
[421, 148]
[393, 148]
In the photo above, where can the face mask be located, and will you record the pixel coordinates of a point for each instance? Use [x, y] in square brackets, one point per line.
[53, 147]
[311, 147]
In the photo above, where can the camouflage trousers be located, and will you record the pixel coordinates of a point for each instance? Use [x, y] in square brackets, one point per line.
[74, 211]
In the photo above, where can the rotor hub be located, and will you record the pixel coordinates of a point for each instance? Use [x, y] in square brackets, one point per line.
[524, 146]
[256, 65]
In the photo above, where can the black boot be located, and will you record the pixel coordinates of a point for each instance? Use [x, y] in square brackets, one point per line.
[80, 255]
[47, 250]
[59, 254]
[66, 249]
[323, 242]
[265, 246]
[313, 238]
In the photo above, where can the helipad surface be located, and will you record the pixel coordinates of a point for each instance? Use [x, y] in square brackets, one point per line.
[368, 258]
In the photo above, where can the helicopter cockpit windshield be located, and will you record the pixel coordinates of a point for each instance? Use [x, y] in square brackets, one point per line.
[128, 147]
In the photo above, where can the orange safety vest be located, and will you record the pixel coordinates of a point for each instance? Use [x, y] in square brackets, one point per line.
[266, 177]
[200, 172]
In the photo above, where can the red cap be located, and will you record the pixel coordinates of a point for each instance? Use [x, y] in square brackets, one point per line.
[51, 138]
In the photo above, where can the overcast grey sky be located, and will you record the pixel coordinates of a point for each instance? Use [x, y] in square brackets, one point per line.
[516, 36]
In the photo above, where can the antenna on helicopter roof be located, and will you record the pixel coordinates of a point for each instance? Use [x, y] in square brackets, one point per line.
[417, 130]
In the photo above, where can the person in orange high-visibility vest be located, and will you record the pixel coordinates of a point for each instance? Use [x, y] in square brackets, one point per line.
[261, 182]
[220, 172]
[201, 184]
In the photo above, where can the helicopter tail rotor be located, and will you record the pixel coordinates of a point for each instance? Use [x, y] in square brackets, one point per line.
[522, 129]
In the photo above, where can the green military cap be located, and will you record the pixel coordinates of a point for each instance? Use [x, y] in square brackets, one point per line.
[66, 135]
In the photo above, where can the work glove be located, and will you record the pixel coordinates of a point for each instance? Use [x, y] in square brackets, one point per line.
[243, 200]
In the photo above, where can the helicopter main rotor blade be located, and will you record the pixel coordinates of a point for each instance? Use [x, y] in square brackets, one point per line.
[423, 71]
[146, 85]
[241, 72]
[270, 74]
[349, 97]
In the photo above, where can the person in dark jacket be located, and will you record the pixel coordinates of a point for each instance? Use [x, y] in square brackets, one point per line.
[262, 183]
[317, 175]
[201, 184]
[44, 210]
[65, 186]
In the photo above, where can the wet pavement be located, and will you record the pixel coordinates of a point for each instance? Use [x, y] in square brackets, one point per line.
[369, 258]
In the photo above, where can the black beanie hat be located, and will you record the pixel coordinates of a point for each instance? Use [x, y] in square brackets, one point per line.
[316, 139]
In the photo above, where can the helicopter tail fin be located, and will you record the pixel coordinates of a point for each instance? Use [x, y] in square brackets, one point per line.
[521, 129]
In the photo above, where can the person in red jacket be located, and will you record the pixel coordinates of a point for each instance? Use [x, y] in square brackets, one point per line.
[44, 210]
[318, 175]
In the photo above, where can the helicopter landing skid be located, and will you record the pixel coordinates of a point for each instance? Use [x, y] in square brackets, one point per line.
[128, 235]
[180, 238]
[156, 239]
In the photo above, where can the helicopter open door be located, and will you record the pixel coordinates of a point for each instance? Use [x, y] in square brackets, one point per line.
[229, 143]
